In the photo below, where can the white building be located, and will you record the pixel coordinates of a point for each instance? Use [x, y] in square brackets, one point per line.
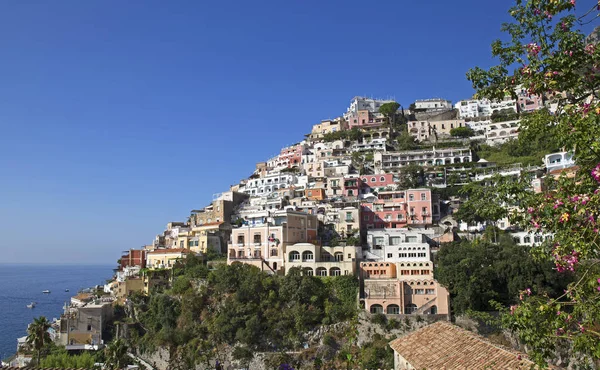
[399, 245]
[269, 183]
[362, 103]
[473, 108]
[374, 144]
[559, 161]
[433, 104]
[394, 161]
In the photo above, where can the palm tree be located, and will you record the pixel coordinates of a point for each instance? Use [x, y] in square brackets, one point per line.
[116, 355]
[37, 334]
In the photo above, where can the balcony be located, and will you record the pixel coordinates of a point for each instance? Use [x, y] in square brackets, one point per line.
[349, 219]
[240, 244]
[257, 244]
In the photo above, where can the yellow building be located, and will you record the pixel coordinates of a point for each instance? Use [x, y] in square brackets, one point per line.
[322, 261]
[165, 258]
[123, 289]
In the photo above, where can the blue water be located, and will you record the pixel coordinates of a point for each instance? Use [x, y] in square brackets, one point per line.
[22, 284]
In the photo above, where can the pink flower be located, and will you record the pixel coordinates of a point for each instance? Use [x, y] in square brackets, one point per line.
[573, 2]
[512, 309]
[596, 175]
[581, 328]
[528, 291]
[558, 313]
[560, 331]
[530, 210]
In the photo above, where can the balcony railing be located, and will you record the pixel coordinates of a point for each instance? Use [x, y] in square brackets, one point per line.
[240, 244]
[257, 244]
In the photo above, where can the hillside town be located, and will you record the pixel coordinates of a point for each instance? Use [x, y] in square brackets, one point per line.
[348, 199]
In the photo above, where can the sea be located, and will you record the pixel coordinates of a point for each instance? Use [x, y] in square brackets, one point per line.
[22, 284]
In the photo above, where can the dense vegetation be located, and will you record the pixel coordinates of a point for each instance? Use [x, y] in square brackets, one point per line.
[480, 271]
[546, 54]
[239, 305]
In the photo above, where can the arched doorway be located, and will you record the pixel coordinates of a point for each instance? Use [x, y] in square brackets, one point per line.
[376, 308]
[410, 308]
[393, 309]
[433, 310]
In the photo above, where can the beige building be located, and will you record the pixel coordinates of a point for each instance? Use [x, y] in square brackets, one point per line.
[262, 241]
[424, 129]
[322, 261]
[328, 126]
[81, 327]
[122, 289]
[165, 258]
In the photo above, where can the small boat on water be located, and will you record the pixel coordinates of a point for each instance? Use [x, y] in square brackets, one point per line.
[31, 305]
[66, 290]
[46, 291]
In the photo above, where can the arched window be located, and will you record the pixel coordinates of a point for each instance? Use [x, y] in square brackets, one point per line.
[335, 271]
[321, 271]
[382, 179]
[527, 240]
[433, 310]
[294, 256]
[376, 308]
[307, 256]
[307, 271]
[273, 252]
[339, 256]
[393, 309]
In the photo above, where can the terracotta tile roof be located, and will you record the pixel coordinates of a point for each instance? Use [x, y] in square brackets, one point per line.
[445, 346]
[173, 250]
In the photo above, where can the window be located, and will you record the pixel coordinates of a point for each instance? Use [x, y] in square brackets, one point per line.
[389, 255]
[395, 240]
[424, 210]
[307, 256]
[294, 256]
[421, 254]
[404, 272]
[382, 179]
[335, 271]
[414, 272]
[429, 291]
[419, 291]
[181, 244]
[527, 240]
[373, 179]
[424, 272]
[402, 255]
[339, 256]
[423, 196]
[411, 197]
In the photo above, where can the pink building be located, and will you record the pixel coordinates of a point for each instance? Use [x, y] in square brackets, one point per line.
[371, 183]
[396, 209]
[292, 155]
[366, 118]
[528, 103]
[352, 186]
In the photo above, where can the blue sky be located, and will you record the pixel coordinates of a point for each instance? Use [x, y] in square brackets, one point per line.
[117, 117]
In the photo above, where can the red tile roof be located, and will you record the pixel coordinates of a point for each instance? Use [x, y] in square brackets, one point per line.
[445, 346]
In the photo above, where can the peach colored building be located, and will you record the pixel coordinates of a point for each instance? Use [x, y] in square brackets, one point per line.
[406, 288]
[315, 193]
[328, 126]
[262, 240]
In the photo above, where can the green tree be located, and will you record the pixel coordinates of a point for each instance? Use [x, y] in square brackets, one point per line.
[116, 357]
[547, 55]
[390, 111]
[463, 132]
[405, 141]
[37, 334]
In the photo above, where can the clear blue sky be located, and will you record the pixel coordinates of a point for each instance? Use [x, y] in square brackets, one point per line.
[117, 117]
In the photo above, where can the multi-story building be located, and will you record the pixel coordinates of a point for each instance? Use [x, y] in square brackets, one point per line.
[334, 186]
[424, 129]
[352, 186]
[322, 260]
[365, 112]
[401, 282]
[380, 182]
[133, 258]
[560, 160]
[262, 240]
[394, 161]
[473, 108]
[328, 126]
[396, 209]
[269, 183]
[433, 105]
[396, 245]
[527, 102]
[373, 144]
[82, 326]
[345, 221]
[165, 258]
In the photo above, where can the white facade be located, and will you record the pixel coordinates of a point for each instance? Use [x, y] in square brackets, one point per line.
[473, 108]
[559, 161]
[375, 144]
[362, 103]
[269, 183]
[399, 245]
[394, 161]
[530, 239]
[433, 104]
